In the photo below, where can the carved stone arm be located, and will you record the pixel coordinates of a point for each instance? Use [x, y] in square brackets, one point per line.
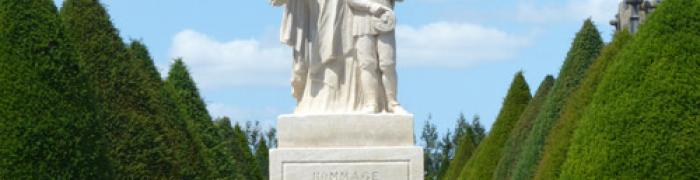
[368, 6]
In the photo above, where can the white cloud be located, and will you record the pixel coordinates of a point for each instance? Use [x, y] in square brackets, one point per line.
[216, 64]
[601, 11]
[445, 44]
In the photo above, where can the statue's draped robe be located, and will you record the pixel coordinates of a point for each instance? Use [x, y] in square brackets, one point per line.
[321, 29]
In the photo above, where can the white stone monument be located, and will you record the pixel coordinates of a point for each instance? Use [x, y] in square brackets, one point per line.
[348, 124]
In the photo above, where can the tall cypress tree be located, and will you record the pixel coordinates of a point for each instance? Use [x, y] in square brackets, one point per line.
[558, 140]
[244, 155]
[227, 151]
[483, 163]
[584, 50]
[163, 112]
[49, 127]
[512, 148]
[465, 149]
[144, 141]
[192, 108]
[446, 146]
[261, 154]
[644, 119]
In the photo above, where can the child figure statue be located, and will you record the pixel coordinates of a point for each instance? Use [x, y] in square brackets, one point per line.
[373, 27]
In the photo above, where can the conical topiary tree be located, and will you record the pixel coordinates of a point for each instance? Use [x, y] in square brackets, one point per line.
[512, 148]
[49, 128]
[584, 50]
[465, 140]
[102, 56]
[144, 140]
[484, 160]
[191, 106]
[227, 160]
[558, 140]
[261, 154]
[100, 50]
[162, 111]
[644, 119]
[465, 149]
[244, 155]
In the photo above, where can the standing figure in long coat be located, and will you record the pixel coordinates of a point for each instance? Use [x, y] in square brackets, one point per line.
[373, 28]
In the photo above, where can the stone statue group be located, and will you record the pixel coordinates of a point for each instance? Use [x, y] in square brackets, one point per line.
[344, 55]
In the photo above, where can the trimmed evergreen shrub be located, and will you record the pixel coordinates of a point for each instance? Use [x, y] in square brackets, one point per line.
[226, 151]
[146, 140]
[49, 127]
[261, 154]
[584, 50]
[465, 149]
[558, 140]
[484, 160]
[161, 110]
[644, 119]
[504, 169]
[193, 110]
[245, 156]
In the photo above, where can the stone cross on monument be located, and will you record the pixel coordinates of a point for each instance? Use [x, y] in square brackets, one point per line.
[348, 123]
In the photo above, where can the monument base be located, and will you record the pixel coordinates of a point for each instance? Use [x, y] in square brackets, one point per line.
[346, 147]
[383, 163]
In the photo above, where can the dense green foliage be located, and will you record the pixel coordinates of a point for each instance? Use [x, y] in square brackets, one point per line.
[512, 148]
[465, 140]
[77, 103]
[48, 126]
[644, 119]
[191, 107]
[100, 51]
[262, 157]
[244, 155]
[485, 158]
[584, 50]
[558, 140]
[160, 108]
[227, 159]
[147, 139]
[464, 151]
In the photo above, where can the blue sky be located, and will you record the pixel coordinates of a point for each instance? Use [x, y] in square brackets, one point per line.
[453, 55]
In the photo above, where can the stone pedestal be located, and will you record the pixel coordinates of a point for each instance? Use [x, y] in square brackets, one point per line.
[346, 147]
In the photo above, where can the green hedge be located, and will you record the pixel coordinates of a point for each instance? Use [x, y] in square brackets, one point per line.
[212, 145]
[228, 150]
[147, 140]
[584, 50]
[161, 111]
[644, 120]
[465, 149]
[558, 141]
[484, 160]
[48, 126]
[504, 169]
